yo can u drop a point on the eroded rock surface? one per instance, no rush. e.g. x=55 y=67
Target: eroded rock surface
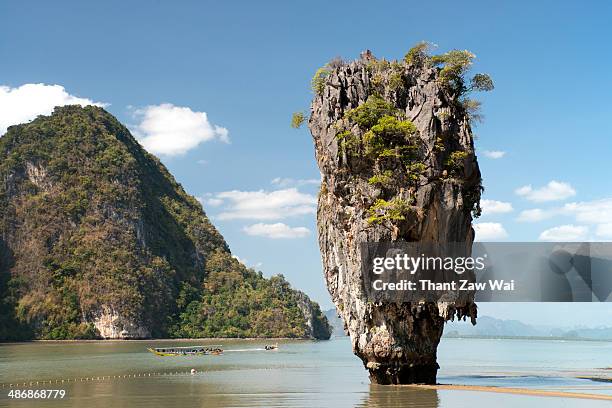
x=111 y=325
x=427 y=195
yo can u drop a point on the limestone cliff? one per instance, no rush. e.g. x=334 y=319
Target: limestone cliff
x=394 y=145
x=97 y=239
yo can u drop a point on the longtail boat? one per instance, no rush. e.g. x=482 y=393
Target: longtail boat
x=186 y=351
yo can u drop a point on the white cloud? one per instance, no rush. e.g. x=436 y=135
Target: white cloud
x=565 y=233
x=597 y=213
x=26 y=102
x=264 y=205
x=494 y=154
x=604 y=230
x=213 y=202
x=535 y=215
x=590 y=212
x=287 y=182
x=553 y=191
x=174 y=130
x=276 y=231
x=495 y=207
x=489 y=231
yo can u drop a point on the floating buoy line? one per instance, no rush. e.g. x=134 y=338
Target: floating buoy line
x=20 y=384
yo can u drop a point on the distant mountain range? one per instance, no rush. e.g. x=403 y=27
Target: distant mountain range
x=491 y=327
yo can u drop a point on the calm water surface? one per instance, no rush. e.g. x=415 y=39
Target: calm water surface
x=299 y=374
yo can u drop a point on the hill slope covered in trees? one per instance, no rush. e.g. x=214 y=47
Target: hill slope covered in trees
x=97 y=239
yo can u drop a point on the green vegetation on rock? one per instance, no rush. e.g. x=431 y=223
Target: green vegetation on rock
x=368 y=113
x=394 y=210
x=297 y=119
x=238 y=302
x=418 y=54
x=318 y=80
x=391 y=142
x=383 y=179
x=377 y=137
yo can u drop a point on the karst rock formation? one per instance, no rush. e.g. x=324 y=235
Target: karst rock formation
x=394 y=145
x=98 y=240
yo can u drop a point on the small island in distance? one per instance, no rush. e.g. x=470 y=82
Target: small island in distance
x=98 y=240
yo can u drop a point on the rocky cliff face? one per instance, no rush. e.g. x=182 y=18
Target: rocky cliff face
x=97 y=239
x=395 y=149
x=317 y=324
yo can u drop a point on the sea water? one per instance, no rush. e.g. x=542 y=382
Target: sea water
x=298 y=374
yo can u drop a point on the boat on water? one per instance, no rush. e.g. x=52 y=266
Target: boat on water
x=271 y=346
x=186 y=351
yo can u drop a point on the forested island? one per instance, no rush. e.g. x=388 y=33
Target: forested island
x=98 y=240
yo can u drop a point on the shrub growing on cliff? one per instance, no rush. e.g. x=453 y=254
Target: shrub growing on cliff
x=348 y=141
x=368 y=113
x=383 y=179
x=317 y=83
x=388 y=132
x=297 y=119
x=396 y=81
x=415 y=170
x=418 y=55
x=382 y=210
x=454 y=65
x=454 y=161
x=481 y=82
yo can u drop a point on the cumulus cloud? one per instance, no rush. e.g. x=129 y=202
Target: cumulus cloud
x=276 y=231
x=289 y=182
x=489 y=231
x=597 y=213
x=264 y=205
x=174 y=130
x=26 y=102
x=213 y=202
x=495 y=207
x=565 y=233
x=590 y=212
x=585 y=212
x=535 y=215
x=494 y=154
x=553 y=191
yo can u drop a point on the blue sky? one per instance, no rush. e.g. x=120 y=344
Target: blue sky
x=248 y=66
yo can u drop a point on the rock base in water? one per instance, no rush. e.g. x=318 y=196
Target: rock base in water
x=393 y=374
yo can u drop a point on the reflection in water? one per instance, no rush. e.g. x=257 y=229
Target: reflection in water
x=390 y=397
